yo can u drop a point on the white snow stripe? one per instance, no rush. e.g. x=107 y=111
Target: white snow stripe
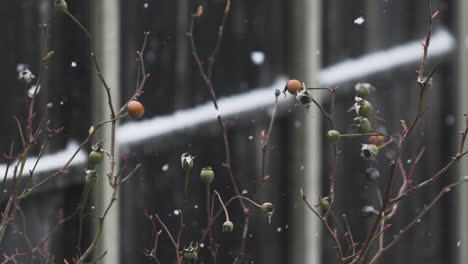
x=130 y=133
x=442 y=42
x=49 y=162
x=134 y=132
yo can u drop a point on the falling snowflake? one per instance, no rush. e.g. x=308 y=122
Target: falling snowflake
x=257 y=57
x=359 y=20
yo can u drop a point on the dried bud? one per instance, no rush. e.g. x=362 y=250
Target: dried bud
x=186 y=161
x=372 y=174
x=61 y=6
x=333 y=136
x=424 y=82
x=207 y=175
x=91 y=176
x=368 y=210
x=369 y=151
x=293 y=86
x=277 y=92
x=363 y=90
x=304 y=98
x=268 y=209
x=228 y=226
x=26 y=76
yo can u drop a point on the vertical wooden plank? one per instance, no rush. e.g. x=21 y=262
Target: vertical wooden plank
x=106 y=33
x=305 y=163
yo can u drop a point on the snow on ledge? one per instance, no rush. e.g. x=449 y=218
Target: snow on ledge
x=134 y=132
x=442 y=42
x=49 y=162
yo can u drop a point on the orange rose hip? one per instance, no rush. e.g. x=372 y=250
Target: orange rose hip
x=135 y=109
x=293 y=86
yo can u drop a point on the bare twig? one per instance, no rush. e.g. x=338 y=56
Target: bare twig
x=57 y=226
x=212 y=93
x=416 y=219
x=350 y=235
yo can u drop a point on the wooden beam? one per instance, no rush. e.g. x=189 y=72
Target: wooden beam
x=306 y=238
x=106 y=33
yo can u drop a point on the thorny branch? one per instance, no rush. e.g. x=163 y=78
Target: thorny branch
x=389 y=205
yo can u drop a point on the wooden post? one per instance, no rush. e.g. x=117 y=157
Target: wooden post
x=306 y=245
x=106 y=33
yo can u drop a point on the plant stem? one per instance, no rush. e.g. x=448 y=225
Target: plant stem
x=187 y=177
